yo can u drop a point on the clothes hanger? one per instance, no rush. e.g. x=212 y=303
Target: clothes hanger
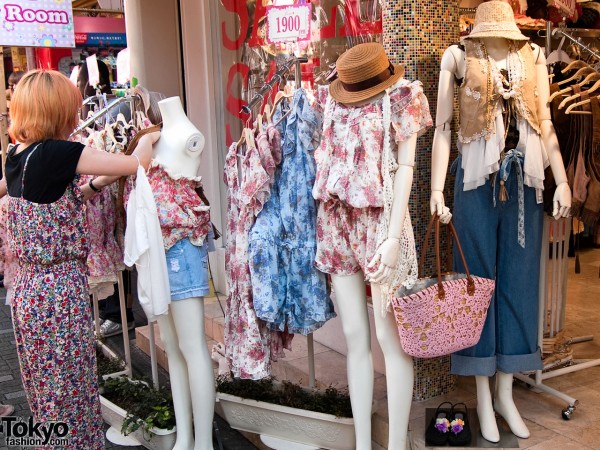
x=594 y=88
x=593 y=76
x=577 y=64
x=558 y=55
x=581 y=72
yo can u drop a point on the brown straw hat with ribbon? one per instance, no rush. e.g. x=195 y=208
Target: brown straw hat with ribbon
x=495 y=19
x=363 y=71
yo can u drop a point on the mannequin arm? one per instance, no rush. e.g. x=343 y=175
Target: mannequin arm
x=386 y=256
x=440 y=154
x=562 y=195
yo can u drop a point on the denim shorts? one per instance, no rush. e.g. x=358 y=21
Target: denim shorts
x=188 y=270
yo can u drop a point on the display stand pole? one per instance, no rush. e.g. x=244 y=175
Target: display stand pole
x=153 y=362
x=123 y=307
x=552 y=305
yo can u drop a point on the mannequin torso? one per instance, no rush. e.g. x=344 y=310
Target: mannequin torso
x=179 y=134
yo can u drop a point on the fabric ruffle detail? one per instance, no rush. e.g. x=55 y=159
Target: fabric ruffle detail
x=175 y=176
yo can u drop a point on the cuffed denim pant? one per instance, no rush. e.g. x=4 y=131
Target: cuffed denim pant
x=489 y=238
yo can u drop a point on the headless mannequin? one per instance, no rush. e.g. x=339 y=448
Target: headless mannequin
x=453 y=65
x=352 y=308
x=182 y=330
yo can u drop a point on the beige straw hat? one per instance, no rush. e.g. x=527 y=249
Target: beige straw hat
x=363 y=71
x=495 y=19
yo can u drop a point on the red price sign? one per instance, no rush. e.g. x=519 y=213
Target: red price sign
x=288 y=23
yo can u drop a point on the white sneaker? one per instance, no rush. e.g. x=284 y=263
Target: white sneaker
x=110 y=328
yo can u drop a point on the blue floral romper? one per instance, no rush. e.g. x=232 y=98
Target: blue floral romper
x=289 y=292
x=51 y=314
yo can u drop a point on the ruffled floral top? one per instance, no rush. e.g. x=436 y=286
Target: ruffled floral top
x=349 y=159
x=181 y=211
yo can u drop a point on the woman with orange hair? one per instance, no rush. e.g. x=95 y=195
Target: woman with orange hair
x=47 y=234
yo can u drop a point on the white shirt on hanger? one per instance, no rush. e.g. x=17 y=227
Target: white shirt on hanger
x=144 y=248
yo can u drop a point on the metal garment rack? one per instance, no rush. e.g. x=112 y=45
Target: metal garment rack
x=277 y=78
x=257 y=99
x=128 y=367
x=552 y=308
x=577 y=41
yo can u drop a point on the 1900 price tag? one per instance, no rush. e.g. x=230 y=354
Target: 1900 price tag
x=288 y=23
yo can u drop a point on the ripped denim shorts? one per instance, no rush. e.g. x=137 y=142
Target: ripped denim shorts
x=188 y=270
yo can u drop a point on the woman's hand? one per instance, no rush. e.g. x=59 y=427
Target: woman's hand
x=562 y=201
x=437 y=206
x=144 y=148
x=386 y=257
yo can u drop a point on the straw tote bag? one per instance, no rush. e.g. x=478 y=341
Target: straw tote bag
x=442 y=315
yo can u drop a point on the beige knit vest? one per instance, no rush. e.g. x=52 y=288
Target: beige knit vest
x=474 y=99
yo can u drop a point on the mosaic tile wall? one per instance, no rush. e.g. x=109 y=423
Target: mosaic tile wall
x=416 y=33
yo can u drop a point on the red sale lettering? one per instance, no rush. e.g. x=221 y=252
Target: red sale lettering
x=14 y=13
x=237 y=7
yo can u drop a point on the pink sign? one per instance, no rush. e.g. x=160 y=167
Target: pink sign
x=36 y=23
x=288 y=23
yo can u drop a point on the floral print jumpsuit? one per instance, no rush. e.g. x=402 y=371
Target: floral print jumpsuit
x=51 y=314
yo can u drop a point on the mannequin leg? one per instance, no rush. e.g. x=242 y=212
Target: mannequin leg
x=180 y=386
x=351 y=299
x=485 y=410
x=505 y=405
x=188 y=317
x=398 y=366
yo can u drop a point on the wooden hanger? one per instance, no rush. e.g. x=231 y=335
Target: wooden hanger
x=246 y=137
x=594 y=76
x=594 y=88
x=581 y=72
x=577 y=64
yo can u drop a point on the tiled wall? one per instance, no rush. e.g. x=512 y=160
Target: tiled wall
x=416 y=33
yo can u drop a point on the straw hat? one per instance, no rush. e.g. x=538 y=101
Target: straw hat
x=363 y=71
x=495 y=19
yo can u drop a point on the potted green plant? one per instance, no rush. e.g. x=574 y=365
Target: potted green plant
x=289 y=412
x=135 y=408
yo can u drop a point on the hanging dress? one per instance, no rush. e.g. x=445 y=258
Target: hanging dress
x=290 y=293
x=51 y=313
x=247 y=339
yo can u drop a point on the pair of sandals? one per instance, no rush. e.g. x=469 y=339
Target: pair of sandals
x=449 y=425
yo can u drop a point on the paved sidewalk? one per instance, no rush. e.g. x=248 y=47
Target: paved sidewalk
x=11 y=388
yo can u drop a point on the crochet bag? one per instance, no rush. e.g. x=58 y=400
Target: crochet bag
x=442 y=315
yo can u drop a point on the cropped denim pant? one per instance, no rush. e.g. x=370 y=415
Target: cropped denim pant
x=489 y=237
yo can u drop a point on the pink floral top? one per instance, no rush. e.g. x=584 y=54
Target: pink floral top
x=350 y=155
x=181 y=212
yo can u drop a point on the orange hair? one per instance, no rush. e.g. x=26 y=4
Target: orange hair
x=44 y=106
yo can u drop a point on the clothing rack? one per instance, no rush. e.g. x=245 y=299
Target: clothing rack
x=90 y=120
x=276 y=79
x=258 y=98
x=577 y=41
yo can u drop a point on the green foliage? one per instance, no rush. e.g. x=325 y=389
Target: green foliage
x=107 y=365
x=146 y=407
x=331 y=401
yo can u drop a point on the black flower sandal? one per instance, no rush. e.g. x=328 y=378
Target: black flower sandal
x=460 y=430
x=436 y=434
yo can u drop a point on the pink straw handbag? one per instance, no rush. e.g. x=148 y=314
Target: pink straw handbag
x=442 y=315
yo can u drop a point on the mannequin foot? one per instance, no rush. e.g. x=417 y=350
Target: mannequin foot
x=487 y=423
x=509 y=412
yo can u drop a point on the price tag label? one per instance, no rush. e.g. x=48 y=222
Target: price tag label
x=288 y=23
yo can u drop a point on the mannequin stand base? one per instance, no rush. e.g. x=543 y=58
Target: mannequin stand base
x=281 y=444
x=113 y=435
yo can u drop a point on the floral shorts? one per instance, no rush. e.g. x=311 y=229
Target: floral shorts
x=346 y=237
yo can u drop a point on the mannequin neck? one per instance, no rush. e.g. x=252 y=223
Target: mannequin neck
x=180 y=145
x=497 y=48
x=171 y=111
